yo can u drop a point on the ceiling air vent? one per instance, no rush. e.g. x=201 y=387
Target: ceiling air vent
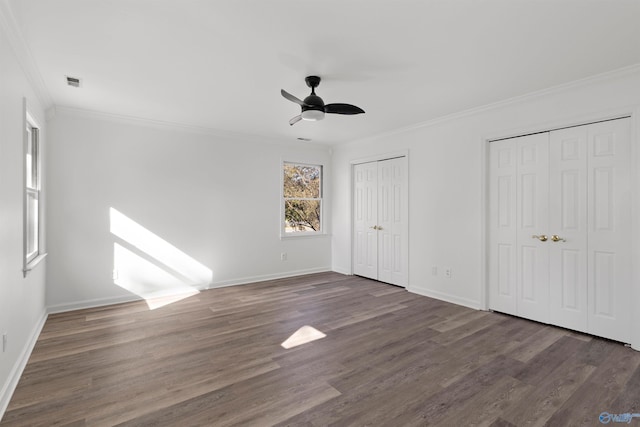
x=73 y=81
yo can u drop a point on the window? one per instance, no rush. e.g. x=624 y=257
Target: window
x=302 y=194
x=32 y=193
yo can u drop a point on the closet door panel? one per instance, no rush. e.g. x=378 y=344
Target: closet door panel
x=392 y=214
x=502 y=227
x=532 y=211
x=609 y=242
x=568 y=221
x=365 y=207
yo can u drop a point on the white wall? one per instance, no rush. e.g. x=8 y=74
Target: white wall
x=22 y=300
x=446 y=180
x=216 y=200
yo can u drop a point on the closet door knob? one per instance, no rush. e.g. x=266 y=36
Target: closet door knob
x=557 y=238
x=542 y=237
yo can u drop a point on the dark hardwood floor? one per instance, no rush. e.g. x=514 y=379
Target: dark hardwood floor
x=389 y=358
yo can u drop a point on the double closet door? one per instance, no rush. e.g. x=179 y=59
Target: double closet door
x=559 y=232
x=381 y=221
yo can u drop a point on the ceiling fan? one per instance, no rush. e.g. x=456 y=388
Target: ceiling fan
x=314 y=108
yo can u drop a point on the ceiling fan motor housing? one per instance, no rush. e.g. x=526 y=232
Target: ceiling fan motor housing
x=314 y=102
x=313 y=108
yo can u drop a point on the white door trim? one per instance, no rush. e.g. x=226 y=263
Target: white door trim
x=634 y=173
x=378 y=157
x=633 y=112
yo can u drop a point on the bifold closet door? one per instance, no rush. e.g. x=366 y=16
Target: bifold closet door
x=559 y=228
x=502 y=226
x=609 y=230
x=590 y=215
x=519 y=255
x=569 y=222
x=392 y=226
x=365 y=220
x=380 y=221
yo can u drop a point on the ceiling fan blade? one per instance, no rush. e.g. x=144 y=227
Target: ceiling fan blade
x=342 y=109
x=291 y=97
x=295 y=120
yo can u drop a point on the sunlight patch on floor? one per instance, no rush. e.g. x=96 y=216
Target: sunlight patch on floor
x=154 y=302
x=303 y=335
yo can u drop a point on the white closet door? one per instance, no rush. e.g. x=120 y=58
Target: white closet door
x=365 y=219
x=572 y=186
x=609 y=237
x=502 y=227
x=381 y=221
x=532 y=198
x=392 y=230
x=519 y=252
x=568 y=221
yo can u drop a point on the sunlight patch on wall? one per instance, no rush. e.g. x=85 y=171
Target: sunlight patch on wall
x=152 y=268
x=303 y=335
x=147 y=280
x=158 y=248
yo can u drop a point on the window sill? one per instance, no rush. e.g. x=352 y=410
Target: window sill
x=33 y=263
x=305 y=236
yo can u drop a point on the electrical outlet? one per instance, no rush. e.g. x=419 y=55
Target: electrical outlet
x=434 y=270
x=447 y=273
x=4 y=342
x=283 y=256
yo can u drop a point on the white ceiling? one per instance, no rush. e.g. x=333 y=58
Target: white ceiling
x=221 y=64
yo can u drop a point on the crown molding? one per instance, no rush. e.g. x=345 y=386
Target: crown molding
x=60 y=110
x=23 y=54
x=620 y=72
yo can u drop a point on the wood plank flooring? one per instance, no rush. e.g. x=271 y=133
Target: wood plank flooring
x=389 y=358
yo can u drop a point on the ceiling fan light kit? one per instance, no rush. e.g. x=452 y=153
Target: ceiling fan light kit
x=312 y=115
x=313 y=107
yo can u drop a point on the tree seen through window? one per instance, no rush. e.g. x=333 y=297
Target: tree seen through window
x=302 y=198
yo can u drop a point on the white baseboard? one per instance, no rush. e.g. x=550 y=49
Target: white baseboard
x=14 y=376
x=445 y=297
x=264 y=277
x=345 y=271
x=100 y=302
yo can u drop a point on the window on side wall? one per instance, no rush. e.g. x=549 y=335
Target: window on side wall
x=302 y=199
x=32 y=196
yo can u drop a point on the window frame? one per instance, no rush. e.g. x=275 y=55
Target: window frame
x=283 y=200
x=32 y=139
